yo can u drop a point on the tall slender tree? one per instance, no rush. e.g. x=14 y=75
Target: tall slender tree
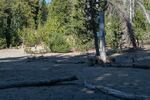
x=102 y=34
x=43 y=12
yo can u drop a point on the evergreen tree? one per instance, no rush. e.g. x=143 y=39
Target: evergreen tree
x=59 y=16
x=16 y=15
x=2 y=24
x=43 y=12
x=35 y=7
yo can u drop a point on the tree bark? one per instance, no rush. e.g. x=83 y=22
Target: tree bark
x=102 y=36
x=94 y=28
x=131 y=33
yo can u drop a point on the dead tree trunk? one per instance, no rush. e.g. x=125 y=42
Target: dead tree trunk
x=102 y=36
x=131 y=33
x=124 y=16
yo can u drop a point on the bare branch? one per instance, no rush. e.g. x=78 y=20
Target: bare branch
x=145 y=12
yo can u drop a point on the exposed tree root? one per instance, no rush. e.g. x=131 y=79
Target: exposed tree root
x=37 y=83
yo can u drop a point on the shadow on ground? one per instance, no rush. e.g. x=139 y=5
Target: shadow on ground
x=135 y=81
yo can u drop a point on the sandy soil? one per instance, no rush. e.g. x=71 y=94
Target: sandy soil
x=15 y=66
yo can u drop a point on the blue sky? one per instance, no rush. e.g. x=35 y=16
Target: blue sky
x=48 y=0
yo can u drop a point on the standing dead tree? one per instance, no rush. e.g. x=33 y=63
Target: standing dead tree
x=125 y=18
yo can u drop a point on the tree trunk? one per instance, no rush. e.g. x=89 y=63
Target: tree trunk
x=8 y=28
x=102 y=36
x=93 y=13
x=96 y=43
x=131 y=33
x=130 y=2
x=132 y=10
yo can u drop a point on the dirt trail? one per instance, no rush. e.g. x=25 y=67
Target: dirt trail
x=8 y=53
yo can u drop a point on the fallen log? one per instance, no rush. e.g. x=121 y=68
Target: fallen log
x=37 y=83
x=116 y=93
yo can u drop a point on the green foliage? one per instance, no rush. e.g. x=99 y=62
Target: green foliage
x=15 y=15
x=43 y=12
x=139 y=25
x=146 y=4
x=59 y=16
x=2 y=43
x=21 y=18
x=57 y=43
x=30 y=37
x=62 y=25
x=68 y=18
x=80 y=25
x=53 y=42
x=113 y=31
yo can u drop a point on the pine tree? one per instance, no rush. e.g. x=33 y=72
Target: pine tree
x=43 y=12
x=35 y=7
x=16 y=15
x=59 y=16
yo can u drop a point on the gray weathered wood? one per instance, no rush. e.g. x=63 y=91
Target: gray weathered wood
x=116 y=93
x=37 y=83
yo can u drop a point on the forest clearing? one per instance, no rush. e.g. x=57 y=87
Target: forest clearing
x=17 y=66
x=74 y=49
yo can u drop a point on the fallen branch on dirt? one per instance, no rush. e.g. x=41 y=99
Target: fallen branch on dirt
x=37 y=83
x=116 y=93
x=130 y=65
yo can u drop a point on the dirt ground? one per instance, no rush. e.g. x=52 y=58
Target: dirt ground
x=16 y=66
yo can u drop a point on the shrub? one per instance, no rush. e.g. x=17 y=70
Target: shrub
x=57 y=43
x=2 y=43
x=30 y=37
